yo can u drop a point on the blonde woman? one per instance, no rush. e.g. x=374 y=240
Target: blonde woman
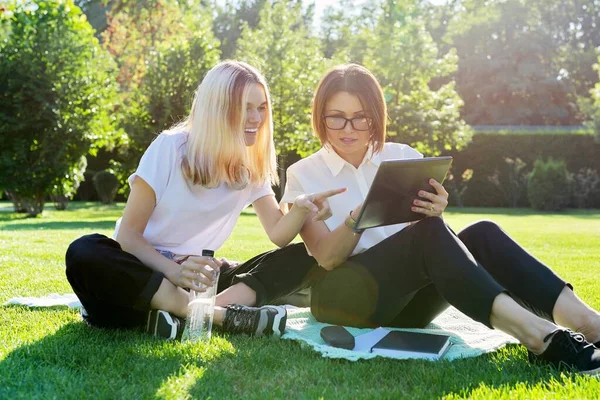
x=187 y=193
x=405 y=275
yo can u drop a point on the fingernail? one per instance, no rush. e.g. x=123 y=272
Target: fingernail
x=414 y=208
x=431 y=181
x=421 y=193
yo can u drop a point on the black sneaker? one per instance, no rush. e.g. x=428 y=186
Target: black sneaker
x=164 y=325
x=255 y=321
x=571 y=350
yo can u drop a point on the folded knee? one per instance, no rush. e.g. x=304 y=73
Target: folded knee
x=478 y=229
x=81 y=250
x=430 y=223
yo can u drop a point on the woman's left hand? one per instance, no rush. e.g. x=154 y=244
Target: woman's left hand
x=435 y=204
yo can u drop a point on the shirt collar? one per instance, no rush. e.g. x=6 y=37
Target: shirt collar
x=335 y=163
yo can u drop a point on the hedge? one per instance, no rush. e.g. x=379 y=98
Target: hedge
x=487 y=152
x=531 y=130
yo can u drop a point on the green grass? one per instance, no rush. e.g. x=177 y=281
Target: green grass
x=49 y=353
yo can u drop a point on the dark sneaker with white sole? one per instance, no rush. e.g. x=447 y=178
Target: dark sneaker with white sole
x=255 y=321
x=569 y=350
x=164 y=325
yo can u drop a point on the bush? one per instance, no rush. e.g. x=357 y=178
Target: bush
x=586 y=190
x=87 y=191
x=456 y=187
x=106 y=184
x=513 y=185
x=548 y=186
x=58 y=98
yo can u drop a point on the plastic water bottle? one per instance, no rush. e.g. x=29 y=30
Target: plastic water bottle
x=201 y=310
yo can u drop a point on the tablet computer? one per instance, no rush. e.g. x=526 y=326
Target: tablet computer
x=395 y=186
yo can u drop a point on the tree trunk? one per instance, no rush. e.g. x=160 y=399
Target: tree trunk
x=17 y=202
x=34 y=205
x=61 y=202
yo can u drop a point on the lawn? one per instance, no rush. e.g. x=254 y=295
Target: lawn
x=50 y=353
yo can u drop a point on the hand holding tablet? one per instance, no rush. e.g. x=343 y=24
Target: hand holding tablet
x=397 y=184
x=431 y=204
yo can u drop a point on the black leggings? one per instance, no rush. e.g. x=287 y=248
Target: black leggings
x=115 y=287
x=409 y=278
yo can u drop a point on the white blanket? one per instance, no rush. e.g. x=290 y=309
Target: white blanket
x=51 y=300
x=468 y=338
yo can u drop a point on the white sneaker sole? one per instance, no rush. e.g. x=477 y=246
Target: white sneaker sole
x=593 y=372
x=281 y=313
x=168 y=318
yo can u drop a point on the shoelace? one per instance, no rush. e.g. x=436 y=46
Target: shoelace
x=574 y=344
x=241 y=319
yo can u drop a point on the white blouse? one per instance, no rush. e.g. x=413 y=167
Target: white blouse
x=188 y=218
x=326 y=170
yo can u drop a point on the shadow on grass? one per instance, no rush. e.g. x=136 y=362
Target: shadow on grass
x=81 y=362
x=296 y=372
x=7 y=207
x=63 y=225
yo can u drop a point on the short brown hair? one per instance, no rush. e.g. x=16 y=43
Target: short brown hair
x=360 y=82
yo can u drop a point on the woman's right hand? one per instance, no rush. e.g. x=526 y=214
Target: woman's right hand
x=197 y=273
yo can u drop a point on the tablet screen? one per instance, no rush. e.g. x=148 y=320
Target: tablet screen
x=395 y=186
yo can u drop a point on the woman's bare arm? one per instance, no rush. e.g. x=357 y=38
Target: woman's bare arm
x=330 y=248
x=139 y=208
x=281 y=227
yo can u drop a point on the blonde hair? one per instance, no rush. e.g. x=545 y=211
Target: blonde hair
x=360 y=82
x=216 y=151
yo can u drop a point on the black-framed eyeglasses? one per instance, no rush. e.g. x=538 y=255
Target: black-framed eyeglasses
x=338 y=123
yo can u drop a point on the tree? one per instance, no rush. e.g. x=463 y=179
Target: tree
x=164 y=48
x=343 y=30
x=282 y=48
x=166 y=94
x=95 y=11
x=591 y=107
x=229 y=19
x=135 y=29
x=524 y=62
x=57 y=94
x=573 y=28
x=394 y=44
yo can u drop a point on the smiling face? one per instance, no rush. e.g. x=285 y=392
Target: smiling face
x=349 y=143
x=256 y=110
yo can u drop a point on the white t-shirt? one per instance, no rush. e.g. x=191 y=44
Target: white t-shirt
x=188 y=218
x=326 y=170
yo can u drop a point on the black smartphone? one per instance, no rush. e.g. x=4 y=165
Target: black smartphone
x=337 y=336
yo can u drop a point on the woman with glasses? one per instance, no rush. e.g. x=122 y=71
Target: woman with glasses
x=187 y=193
x=404 y=275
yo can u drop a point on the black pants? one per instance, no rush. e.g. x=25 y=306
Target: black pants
x=115 y=287
x=410 y=277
